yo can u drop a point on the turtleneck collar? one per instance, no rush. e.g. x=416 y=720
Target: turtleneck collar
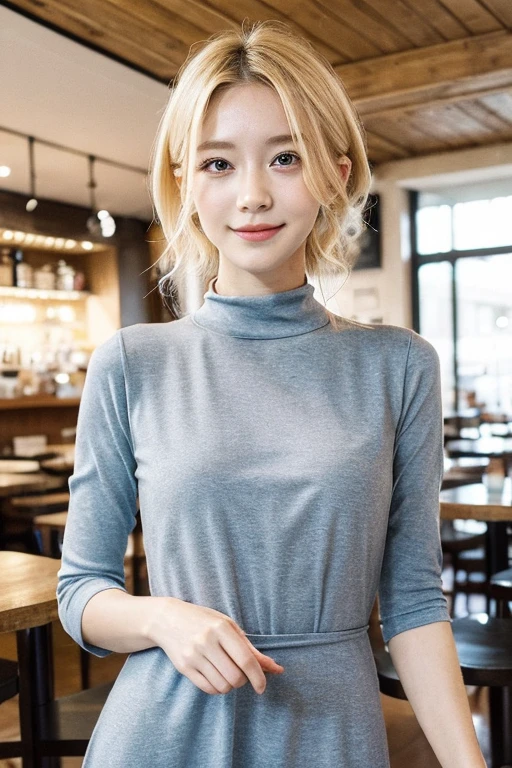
x=271 y=316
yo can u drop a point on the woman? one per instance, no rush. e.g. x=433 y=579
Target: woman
x=287 y=462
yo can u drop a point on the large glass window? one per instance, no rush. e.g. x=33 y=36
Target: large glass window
x=484 y=323
x=463 y=268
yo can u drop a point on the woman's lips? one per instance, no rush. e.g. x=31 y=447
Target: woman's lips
x=261 y=234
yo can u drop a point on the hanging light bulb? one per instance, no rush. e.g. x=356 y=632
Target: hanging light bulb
x=99 y=222
x=32 y=203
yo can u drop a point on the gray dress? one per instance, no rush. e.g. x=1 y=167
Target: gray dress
x=287 y=470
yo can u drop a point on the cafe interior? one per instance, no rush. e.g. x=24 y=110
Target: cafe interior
x=84 y=84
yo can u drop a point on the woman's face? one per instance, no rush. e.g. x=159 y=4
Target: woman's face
x=251 y=174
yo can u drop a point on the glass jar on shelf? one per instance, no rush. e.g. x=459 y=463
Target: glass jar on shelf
x=44 y=278
x=65 y=276
x=9 y=384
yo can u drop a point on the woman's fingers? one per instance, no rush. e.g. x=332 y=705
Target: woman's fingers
x=201 y=681
x=267 y=662
x=241 y=651
x=211 y=649
x=221 y=670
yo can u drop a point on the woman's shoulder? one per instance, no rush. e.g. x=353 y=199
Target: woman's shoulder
x=376 y=333
x=140 y=341
x=145 y=336
x=384 y=338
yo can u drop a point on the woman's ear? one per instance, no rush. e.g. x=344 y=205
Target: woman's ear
x=345 y=166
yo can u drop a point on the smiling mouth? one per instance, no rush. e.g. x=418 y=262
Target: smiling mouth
x=258 y=234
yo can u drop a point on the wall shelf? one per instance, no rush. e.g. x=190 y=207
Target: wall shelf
x=10 y=292
x=37 y=401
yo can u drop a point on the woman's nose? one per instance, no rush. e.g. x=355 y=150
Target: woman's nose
x=253 y=192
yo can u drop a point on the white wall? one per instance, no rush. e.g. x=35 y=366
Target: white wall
x=391 y=181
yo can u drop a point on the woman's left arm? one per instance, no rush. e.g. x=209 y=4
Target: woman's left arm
x=416 y=624
x=426 y=661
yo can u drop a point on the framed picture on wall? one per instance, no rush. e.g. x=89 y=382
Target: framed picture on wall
x=370 y=255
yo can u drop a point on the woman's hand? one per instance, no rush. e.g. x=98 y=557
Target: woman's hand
x=208 y=647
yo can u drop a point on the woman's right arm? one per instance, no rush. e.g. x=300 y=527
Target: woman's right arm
x=103 y=493
x=204 y=644
x=123 y=623
x=94 y=605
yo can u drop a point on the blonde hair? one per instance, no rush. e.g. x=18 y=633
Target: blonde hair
x=324 y=125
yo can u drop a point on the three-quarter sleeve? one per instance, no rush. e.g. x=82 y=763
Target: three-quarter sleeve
x=103 y=492
x=410 y=589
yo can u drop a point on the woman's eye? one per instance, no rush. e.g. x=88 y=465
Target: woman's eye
x=289 y=157
x=215 y=162
x=218 y=165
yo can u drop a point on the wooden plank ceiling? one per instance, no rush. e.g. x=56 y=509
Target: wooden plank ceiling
x=425 y=75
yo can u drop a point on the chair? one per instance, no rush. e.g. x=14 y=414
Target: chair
x=21 y=510
x=463 y=426
x=464 y=471
x=457 y=544
x=68 y=721
x=484 y=647
x=501 y=591
x=9 y=687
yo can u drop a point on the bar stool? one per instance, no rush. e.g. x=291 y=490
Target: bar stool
x=484 y=648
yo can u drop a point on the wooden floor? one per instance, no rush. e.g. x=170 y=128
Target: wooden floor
x=407 y=745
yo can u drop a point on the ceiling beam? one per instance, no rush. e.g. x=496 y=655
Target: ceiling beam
x=453 y=70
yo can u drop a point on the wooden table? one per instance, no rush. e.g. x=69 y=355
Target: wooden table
x=17 y=483
x=62 y=466
x=477 y=502
x=492 y=447
x=28 y=605
x=60 y=447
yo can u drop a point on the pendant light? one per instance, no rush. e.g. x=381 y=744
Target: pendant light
x=32 y=202
x=99 y=222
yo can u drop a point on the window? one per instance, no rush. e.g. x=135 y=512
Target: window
x=462 y=256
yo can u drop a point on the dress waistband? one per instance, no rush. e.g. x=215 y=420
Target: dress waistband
x=305 y=638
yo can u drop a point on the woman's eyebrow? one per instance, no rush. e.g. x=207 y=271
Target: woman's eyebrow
x=218 y=144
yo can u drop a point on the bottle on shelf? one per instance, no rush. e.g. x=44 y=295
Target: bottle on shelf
x=6 y=270
x=80 y=281
x=23 y=272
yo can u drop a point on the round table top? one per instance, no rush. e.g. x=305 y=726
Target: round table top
x=28 y=595
x=64 y=463
x=477 y=501
x=484 y=649
x=12 y=484
x=463 y=413
x=60 y=465
x=56 y=520
x=484 y=446
x=60 y=447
